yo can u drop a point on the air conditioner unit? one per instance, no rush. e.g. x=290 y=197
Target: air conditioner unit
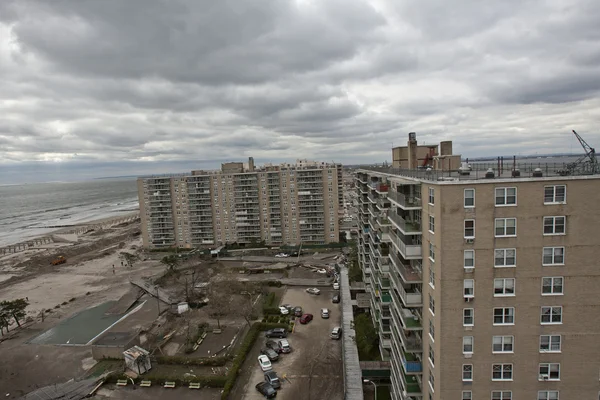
x=468 y=328
x=469 y=269
x=468 y=299
x=544 y=377
x=468 y=355
x=470 y=241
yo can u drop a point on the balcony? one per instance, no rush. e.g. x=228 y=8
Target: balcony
x=411 y=384
x=406 y=272
x=411 y=251
x=411 y=341
x=404 y=201
x=372 y=198
x=406 y=227
x=409 y=320
x=411 y=364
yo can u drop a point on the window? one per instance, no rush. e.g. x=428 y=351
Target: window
x=431 y=304
x=469 y=198
x=502 y=372
x=469 y=228
x=552 y=285
x=551 y=315
x=506 y=227
x=554 y=225
x=431 y=356
x=506 y=196
x=467 y=373
x=468 y=344
x=504 y=287
x=469 y=258
x=549 y=372
x=555 y=194
x=548 y=395
x=431 y=330
x=467 y=395
x=431 y=252
x=505 y=257
x=469 y=288
x=550 y=344
x=502 y=344
x=553 y=256
x=431 y=196
x=504 y=395
x=431 y=224
x=431 y=276
x=504 y=316
x=468 y=317
x=431 y=381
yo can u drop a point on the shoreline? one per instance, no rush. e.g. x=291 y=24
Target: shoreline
x=39 y=242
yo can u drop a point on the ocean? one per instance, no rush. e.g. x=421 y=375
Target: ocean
x=26 y=209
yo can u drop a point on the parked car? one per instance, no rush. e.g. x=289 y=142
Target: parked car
x=265 y=363
x=335 y=298
x=298 y=311
x=313 y=290
x=273 y=345
x=272 y=354
x=306 y=318
x=284 y=346
x=282 y=255
x=324 y=313
x=283 y=310
x=266 y=390
x=272 y=379
x=336 y=333
x=276 y=333
x=322 y=271
x=336 y=286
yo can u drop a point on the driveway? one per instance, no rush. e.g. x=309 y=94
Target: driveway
x=314 y=367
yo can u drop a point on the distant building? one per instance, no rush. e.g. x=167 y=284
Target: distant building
x=278 y=204
x=413 y=156
x=485 y=285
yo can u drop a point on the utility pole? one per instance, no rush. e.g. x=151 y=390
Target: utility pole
x=157 y=300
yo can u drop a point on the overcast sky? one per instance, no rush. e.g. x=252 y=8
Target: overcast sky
x=113 y=87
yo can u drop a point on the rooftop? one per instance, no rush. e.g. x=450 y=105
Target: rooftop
x=479 y=171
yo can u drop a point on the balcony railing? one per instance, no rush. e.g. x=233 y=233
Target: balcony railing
x=409 y=320
x=408 y=251
x=404 y=201
x=407 y=227
x=411 y=341
x=410 y=364
x=410 y=297
x=406 y=272
x=411 y=384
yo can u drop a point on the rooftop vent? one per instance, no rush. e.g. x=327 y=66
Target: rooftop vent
x=489 y=174
x=537 y=173
x=515 y=173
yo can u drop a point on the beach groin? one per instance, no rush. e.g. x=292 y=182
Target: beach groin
x=61 y=231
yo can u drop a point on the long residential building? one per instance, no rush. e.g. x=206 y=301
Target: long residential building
x=286 y=204
x=483 y=286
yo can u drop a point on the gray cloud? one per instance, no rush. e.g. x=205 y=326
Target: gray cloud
x=148 y=82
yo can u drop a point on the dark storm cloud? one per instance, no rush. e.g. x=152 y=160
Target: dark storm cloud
x=140 y=83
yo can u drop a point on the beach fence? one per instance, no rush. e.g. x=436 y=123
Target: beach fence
x=37 y=243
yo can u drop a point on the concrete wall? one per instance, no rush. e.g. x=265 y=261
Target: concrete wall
x=113 y=351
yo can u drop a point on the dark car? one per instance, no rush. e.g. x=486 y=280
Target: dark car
x=272 y=354
x=306 y=318
x=266 y=390
x=298 y=311
x=273 y=345
x=335 y=299
x=272 y=379
x=276 y=333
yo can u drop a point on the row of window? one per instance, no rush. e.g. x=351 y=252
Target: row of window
x=507 y=196
x=504 y=372
x=508 y=257
x=551 y=286
x=507 y=395
x=507 y=227
x=549 y=315
x=505 y=343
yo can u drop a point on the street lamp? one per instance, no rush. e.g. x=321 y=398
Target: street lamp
x=368 y=381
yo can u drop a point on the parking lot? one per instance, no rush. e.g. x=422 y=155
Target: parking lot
x=314 y=367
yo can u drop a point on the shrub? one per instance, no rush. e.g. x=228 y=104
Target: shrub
x=64 y=303
x=72 y=299
x=274 y=283
x=206 y=361
x=271 y=311
x=205 y=381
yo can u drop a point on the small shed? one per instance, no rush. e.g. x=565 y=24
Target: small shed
x=137 y=360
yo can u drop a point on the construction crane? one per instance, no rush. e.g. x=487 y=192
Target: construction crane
x=586 y=164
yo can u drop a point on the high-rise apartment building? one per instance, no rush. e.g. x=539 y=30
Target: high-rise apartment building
x=484 y=286
x=278 y=204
